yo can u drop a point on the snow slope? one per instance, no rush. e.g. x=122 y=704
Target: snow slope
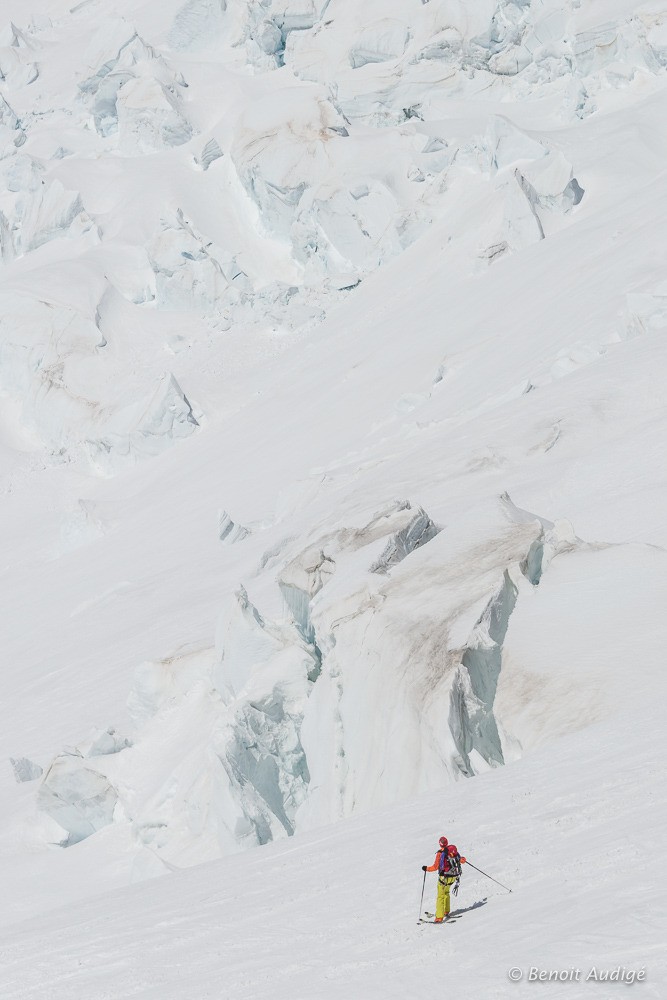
x=332 y=437
x=333 y=913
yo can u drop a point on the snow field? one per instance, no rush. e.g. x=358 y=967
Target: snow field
x=333 y=913
x=332 y=436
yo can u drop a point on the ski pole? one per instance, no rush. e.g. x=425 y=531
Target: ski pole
x=421 y=901
x=488 y=876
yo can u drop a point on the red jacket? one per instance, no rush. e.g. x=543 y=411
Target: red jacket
x=435 y=867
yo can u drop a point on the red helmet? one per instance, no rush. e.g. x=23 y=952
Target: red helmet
x=451 y=850
x=443 y=842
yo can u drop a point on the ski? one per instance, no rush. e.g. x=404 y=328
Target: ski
x=429 y=918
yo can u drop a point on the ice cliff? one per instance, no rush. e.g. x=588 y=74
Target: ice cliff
x=379 y=681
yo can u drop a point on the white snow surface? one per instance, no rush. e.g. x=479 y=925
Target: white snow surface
x=332 y=462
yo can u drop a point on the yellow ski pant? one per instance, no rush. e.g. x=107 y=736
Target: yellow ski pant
x=442 y=904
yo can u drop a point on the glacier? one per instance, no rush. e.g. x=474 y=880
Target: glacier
x=332 y=439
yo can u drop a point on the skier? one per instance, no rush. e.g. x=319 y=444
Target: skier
x=447 y=863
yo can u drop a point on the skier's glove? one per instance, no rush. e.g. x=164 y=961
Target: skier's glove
x=424 y=868
x=455 y=890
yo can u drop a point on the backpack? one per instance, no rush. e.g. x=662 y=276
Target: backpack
x=450 y=864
